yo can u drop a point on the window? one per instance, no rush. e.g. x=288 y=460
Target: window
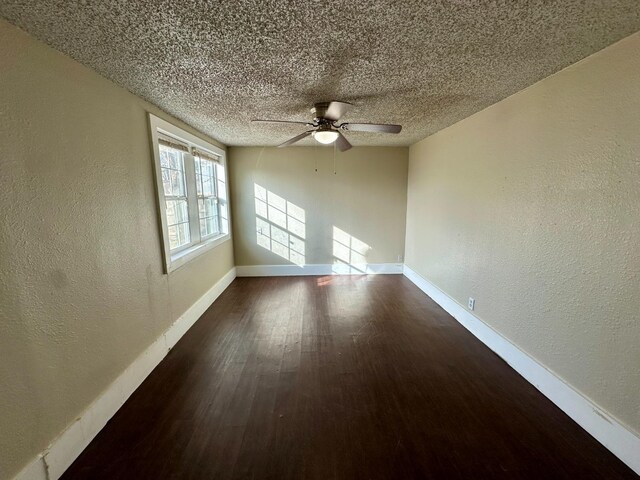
x=175 y=196
x=192 y=193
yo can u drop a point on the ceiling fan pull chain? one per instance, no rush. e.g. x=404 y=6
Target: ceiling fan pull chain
x=259 y=158
x=334 y=157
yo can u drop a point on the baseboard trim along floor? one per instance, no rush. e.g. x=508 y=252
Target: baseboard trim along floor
x=617 y=438
x=319 y=269
x=55 y=459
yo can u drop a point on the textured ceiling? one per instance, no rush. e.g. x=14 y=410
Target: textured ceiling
x=422 y=64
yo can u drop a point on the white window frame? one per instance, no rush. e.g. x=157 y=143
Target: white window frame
x=174 y=259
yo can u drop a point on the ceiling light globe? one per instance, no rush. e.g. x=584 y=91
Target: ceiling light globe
x=325 y=136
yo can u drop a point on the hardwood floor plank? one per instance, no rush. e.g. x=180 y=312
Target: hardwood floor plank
x=338 y=378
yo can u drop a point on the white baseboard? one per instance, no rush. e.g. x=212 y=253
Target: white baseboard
x=321 y=269
x=611 y=433
x=34 y=470
x=51 y=464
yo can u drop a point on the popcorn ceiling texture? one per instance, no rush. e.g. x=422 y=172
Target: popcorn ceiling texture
x=425 y=65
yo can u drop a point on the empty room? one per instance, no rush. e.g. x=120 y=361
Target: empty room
x=319 y=240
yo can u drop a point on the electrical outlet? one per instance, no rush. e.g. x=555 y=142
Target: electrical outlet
x=472 y=303
x=399 y=258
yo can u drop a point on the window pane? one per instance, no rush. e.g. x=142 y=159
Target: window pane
x=172 y=163
x=206 y=166
x=208 y=216
x=170 y=158
x=177 y=183
x=170 y=208
x=183 y=233
x=183 y=211
x=207 y=207
x=207 y=186
x=173 y=237
x=204 y=177
x=198 y=167
x=209 y=226
x=222 y=189
x=178 y=235
x=166 y=182
x=173 y=183
x=177 y=212
x=223 y=222
x=223 y=225
x=165 y=157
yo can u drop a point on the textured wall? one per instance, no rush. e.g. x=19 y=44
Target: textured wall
x=366 y=199
x=81 y=284
x=532 y=206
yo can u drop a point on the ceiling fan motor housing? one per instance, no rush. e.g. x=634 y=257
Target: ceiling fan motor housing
x=319 y=111
x=325 y=128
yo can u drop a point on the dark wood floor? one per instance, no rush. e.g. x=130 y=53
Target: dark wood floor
x=337 y=378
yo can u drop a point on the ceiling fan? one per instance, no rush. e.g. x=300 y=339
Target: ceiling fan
x=326 y=129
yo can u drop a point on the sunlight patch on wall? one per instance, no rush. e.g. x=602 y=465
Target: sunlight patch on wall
x=280 y=225
x=349 y=253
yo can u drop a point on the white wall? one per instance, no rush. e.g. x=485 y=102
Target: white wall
x=81 y=282
x=532 y=206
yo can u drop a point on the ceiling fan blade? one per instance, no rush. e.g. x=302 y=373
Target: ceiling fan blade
x=342 y=143
x=283 y=121
x=335 y=110
x=295 y=139
x=371 y=127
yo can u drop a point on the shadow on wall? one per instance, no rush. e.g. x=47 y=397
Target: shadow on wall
x=281 y=229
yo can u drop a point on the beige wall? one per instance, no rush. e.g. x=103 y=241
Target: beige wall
x=365 y=198
x=532 y=206
x=81 y=283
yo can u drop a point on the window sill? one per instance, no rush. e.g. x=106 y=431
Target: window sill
x=179 y=259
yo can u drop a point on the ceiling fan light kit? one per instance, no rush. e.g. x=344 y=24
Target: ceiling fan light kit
x=325 y=136
x=326 y=129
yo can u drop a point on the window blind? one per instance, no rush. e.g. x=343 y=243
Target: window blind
x=171 y=143
x=206 y=155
